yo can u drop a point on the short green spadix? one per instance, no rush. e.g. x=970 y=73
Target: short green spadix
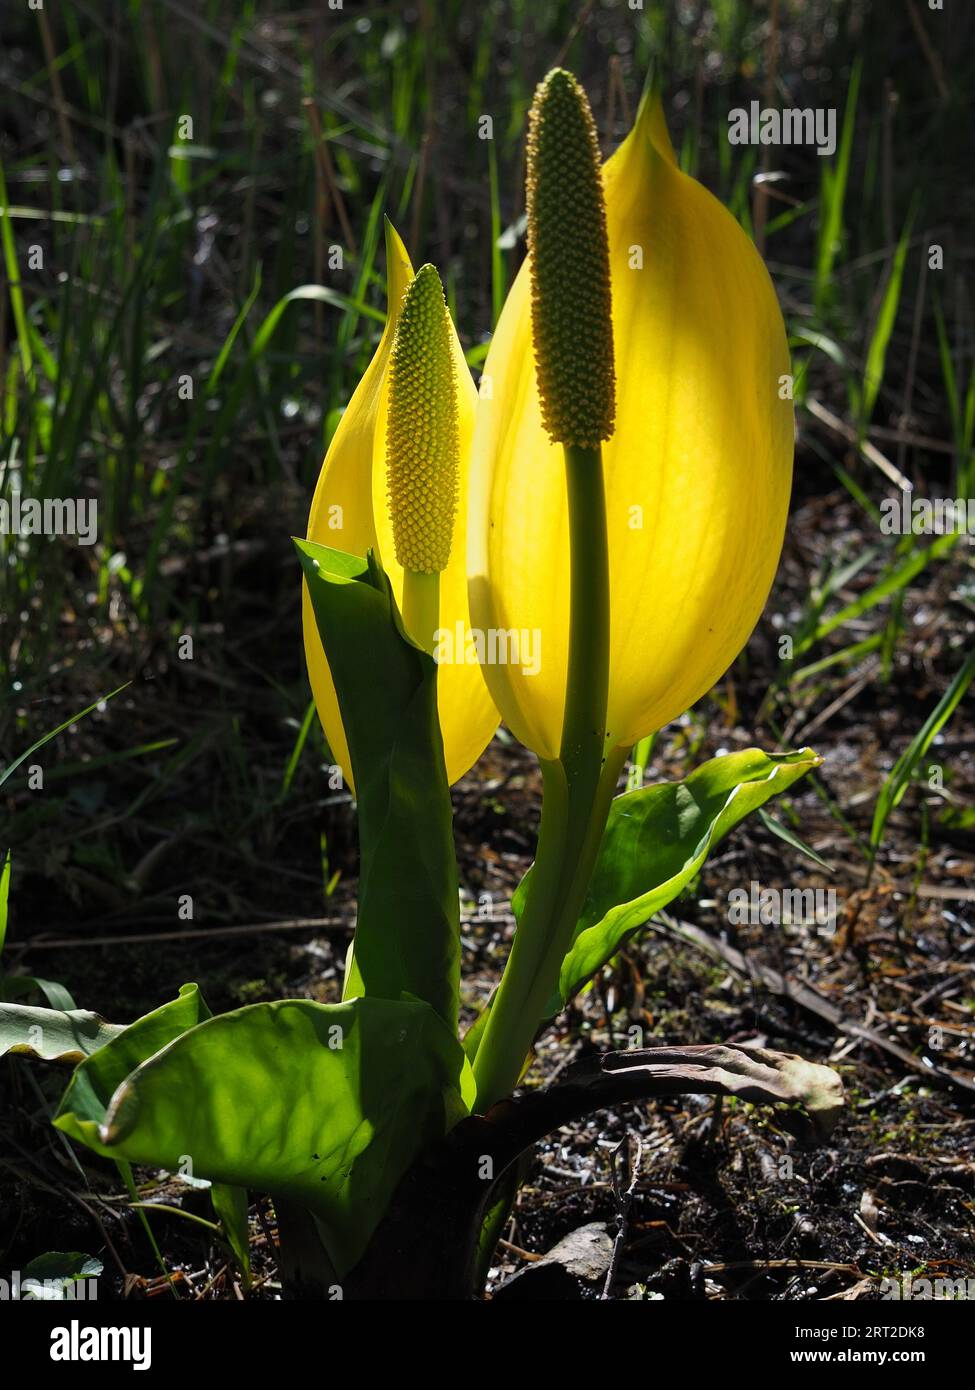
x=422 y=449
x=351 y=512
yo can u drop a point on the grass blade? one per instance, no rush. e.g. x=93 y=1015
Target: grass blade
x=898 y=779
x=46 y=738
x=873 y=374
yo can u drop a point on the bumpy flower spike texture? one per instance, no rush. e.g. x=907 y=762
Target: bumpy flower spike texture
x=571 y=299
x=422 y=435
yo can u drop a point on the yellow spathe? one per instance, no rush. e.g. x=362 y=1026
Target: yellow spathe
x=350 y=512
x=697 y=473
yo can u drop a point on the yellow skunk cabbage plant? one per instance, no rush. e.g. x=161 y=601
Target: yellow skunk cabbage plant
x=618 y=489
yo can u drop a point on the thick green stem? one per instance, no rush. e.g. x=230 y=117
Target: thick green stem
x=569 y=837
x=421 y=606
x=587 y=676
x=577 y=790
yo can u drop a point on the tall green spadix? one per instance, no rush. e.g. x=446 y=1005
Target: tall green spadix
x=571 y=300
x=422 y=450
x=572 y=332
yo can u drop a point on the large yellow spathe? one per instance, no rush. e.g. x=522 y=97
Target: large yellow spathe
x=697 y=473
x=350 y=512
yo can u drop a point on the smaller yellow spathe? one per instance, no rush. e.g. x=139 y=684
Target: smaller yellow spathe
x=697 y=473
x=350 y=512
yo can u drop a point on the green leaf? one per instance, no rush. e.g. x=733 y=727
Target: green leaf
x=53 y=1035
x=407 y=938
x=655 y=843
x=474 y=1034
x=46 y=738
x=873 y=373
x=16 y=986
x=833 y=185
x=899 y=777
x=4 y=895
x=230 y=1205
x=54 y=1271
x=325 y=1104
x=13 y=278
x=90 y=1090
x=783 y=832
x=898 y=577
x=91 y=1087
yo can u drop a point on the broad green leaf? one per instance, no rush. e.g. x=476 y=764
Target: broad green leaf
x=325 y=1104
x=52 y=1274
x=53 y=1035
x=656 y=842
x=407 y=938
x=91 y=1088
x=93 y=1084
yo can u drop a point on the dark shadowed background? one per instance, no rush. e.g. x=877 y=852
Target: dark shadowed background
x=171 y=173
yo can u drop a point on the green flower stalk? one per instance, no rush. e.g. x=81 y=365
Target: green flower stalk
x=422 y=450
x=573 y=345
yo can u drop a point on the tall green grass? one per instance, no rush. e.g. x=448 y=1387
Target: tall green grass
x=167 y=257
